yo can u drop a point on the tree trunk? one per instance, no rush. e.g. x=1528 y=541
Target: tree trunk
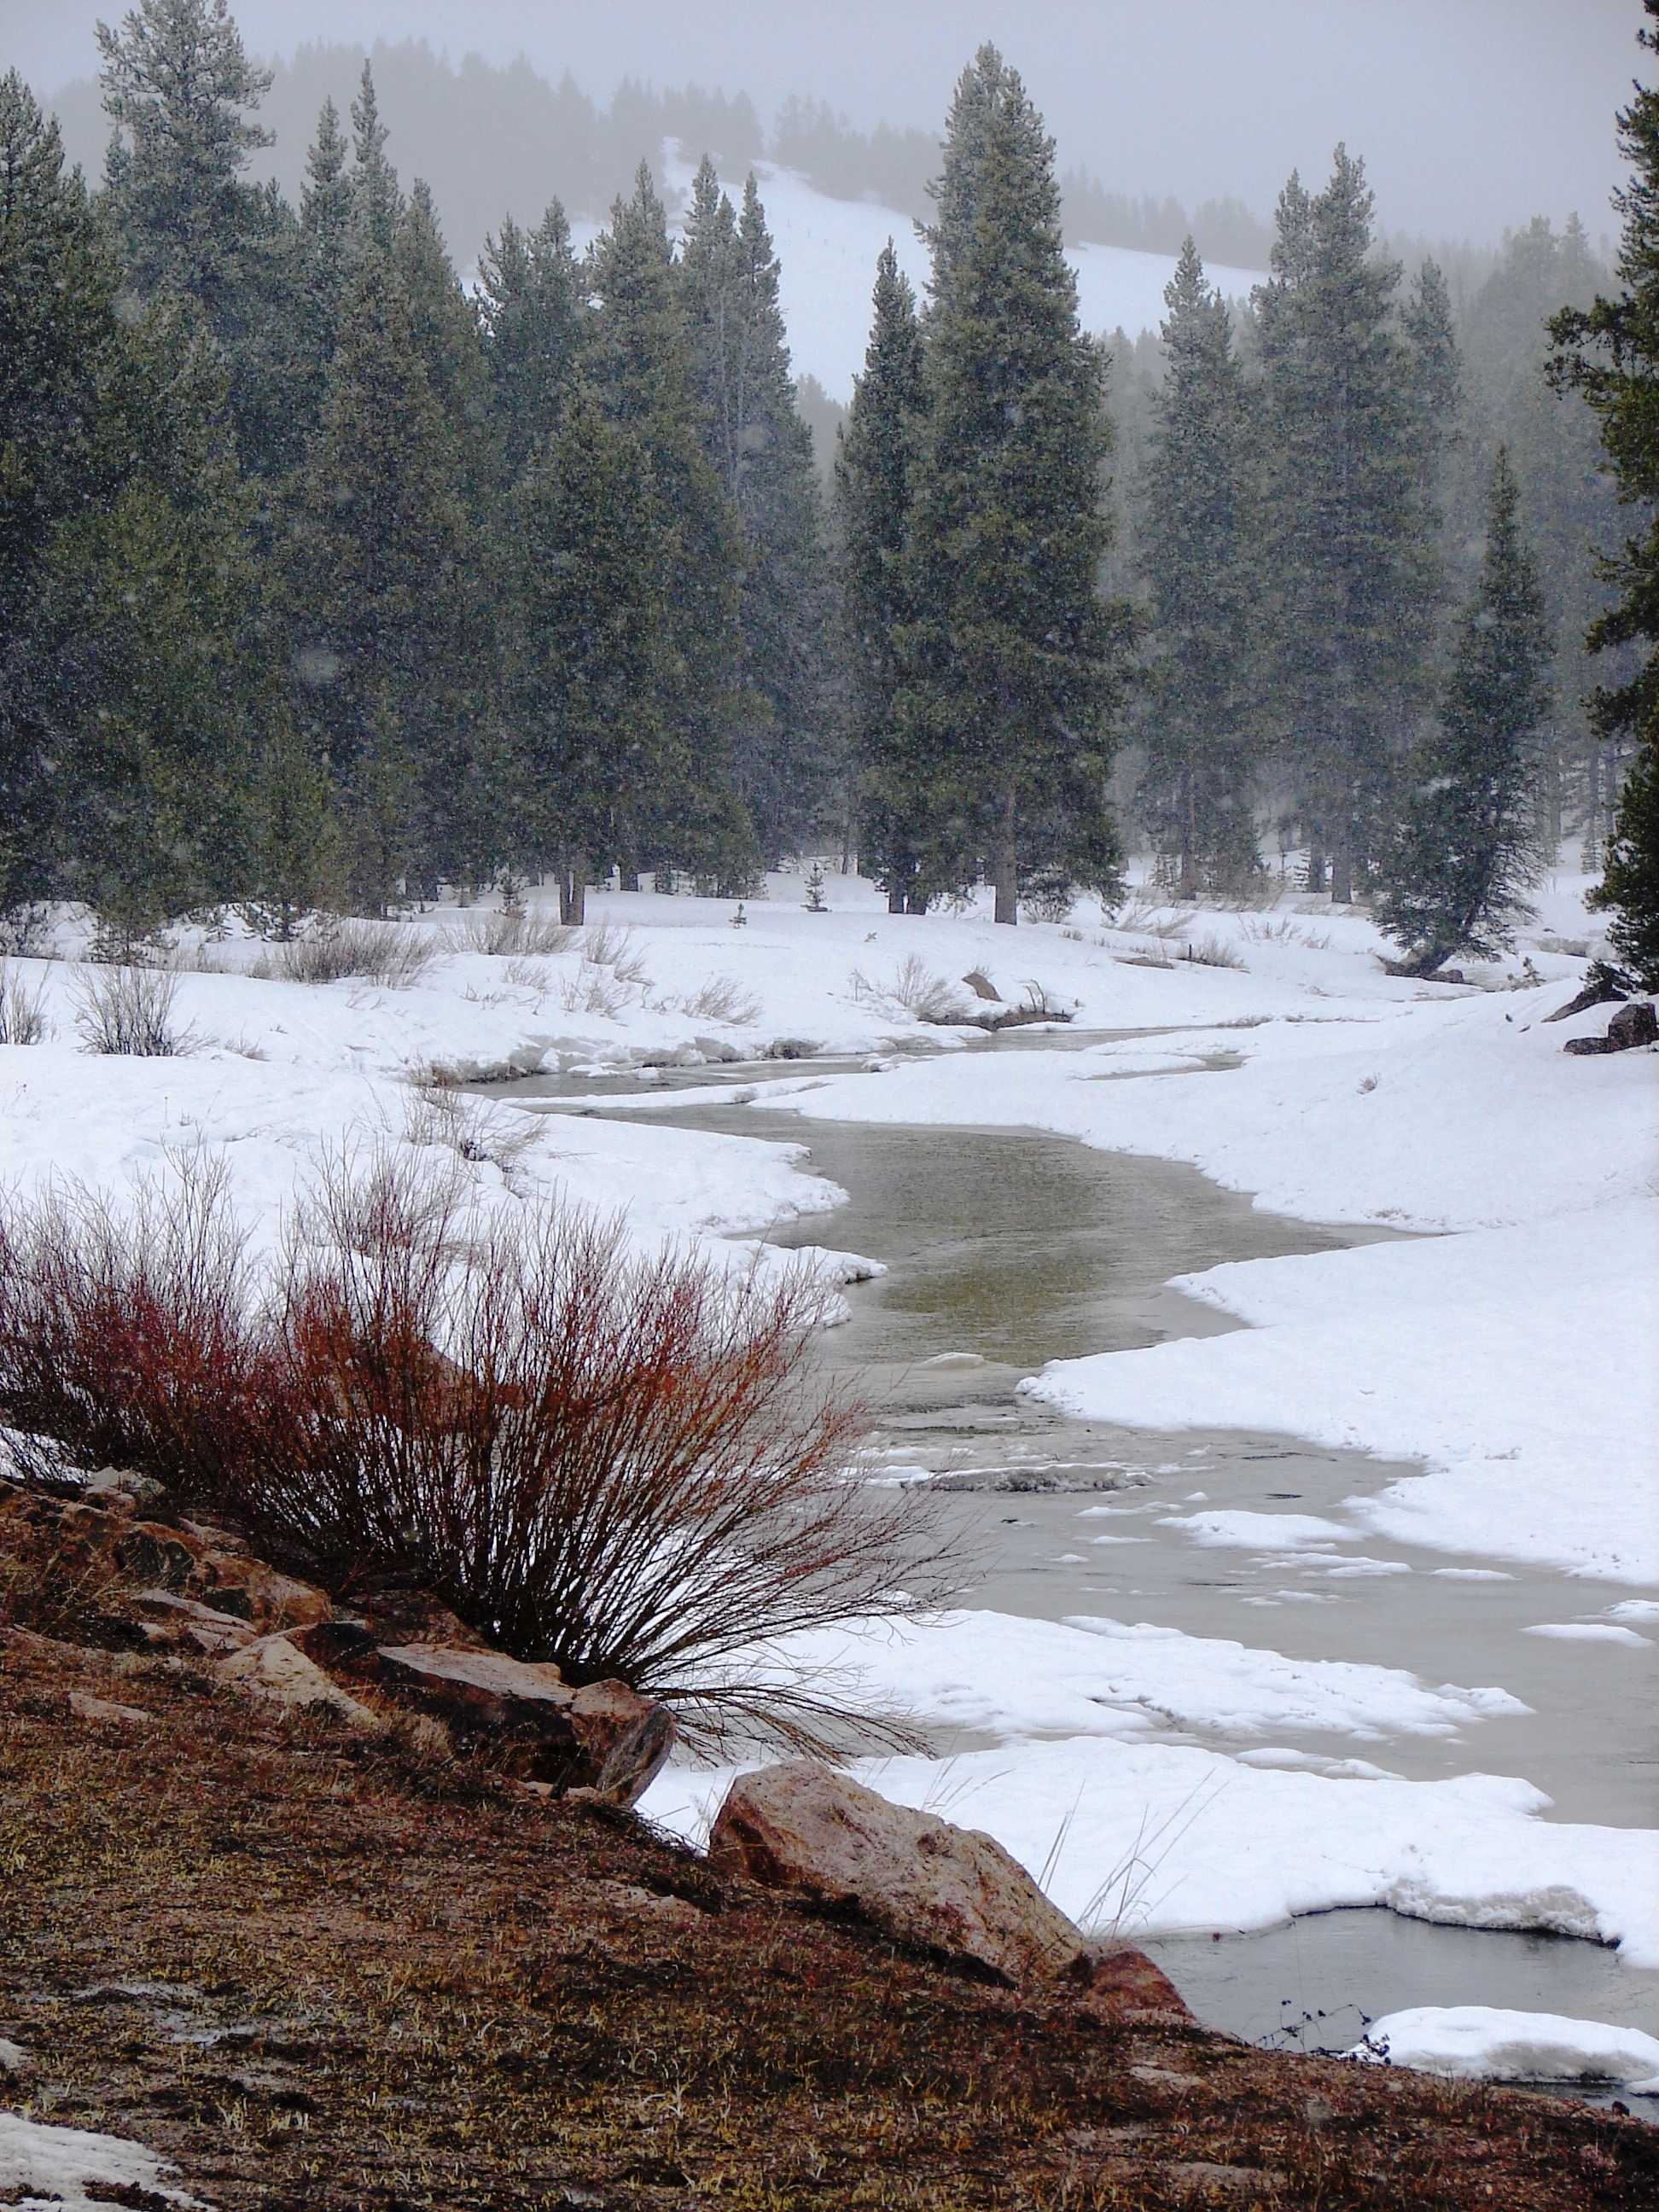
x=573 y=890
x=1315 y=869
x=1341 y=876
x=1004 y=871
x=895 y=894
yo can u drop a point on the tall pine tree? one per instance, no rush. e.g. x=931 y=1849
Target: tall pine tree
x=1452 y=876
x=875 y=487
x=1012 y=661
x=1611 y=352
x=1194 y=525
x=1348 y=571
x=762 y=451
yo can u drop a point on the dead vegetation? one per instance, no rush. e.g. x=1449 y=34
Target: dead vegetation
x=129 y=1009
x=22 y=1015
x=321 y=1971
x=340 y=948
x=620 y=1462
x=513 y=933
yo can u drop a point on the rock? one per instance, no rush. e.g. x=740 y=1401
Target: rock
x=1580 y=1047
x=799 y=1826
x=1633 y=1025
x=276 y=1669
x=12 y=2061
x=87 y=1708
x=1598 y=989
x=1118 y=1981
x=604 y=1738
x=981 y=986
x=173 y=1622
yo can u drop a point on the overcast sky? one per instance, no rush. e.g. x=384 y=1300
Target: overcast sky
x=1471 y=114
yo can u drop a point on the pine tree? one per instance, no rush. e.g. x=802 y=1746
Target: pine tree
x=374 y=586
x=640 y=365
x=875 y=492
x=1195 y=522
x=588 y=693
x=533 y=313
x=179 y=88
x=1611 y=353
x=1347 y=564
x=1453 y=876
x=1011 y=658
x=377 y=203
x=762 y=452
x=58 y=333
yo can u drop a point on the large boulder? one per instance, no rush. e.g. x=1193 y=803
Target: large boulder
x=802 y=1827
x=602 y=1737
x=1632 y=1025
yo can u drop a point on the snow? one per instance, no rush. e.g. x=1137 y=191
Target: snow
x=1481 y=2043
x=994 y=1672
x=44 y=2167
x=1138 y=1838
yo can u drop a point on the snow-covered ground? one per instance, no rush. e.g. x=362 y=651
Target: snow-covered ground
x=1507 y=1346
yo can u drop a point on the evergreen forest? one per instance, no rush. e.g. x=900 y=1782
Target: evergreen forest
x=328 y=580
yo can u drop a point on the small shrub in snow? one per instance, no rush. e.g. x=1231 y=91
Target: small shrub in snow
x=22 y=1020
x=1049 y=896
x=515 y=933
x=915 y=990
x=1212 y=952
x=438 y=1115
x=722 y=999
x=129 y=1010
x=340 y=947
x=127 y=1334
x=605 y=947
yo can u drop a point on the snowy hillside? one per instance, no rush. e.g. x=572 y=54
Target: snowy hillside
x=828 y=250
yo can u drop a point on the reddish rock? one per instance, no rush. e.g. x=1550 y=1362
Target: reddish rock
x=799 y=1826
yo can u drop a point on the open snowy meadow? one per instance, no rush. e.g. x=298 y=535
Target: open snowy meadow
x=1481 y=1366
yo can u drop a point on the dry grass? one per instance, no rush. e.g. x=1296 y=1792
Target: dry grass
x=22 y=1018
x=512 y=933
x=605 y=947
x=722 y=999
x=1212 y=952
x=324 y=1973
x=129 y=1010
x=1286 y=930
x=914 y=990
x=436 y=1115
x=340 y=947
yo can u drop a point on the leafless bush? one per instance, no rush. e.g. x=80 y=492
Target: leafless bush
x=129 y=1009
x=721 y=999
x=1286 y=930
x=605 y=947
x=915 y=990
x=592 y=990
x=128 y=1337
x=392 y=953
x=438 y=1115
x=21 y=1018
x=620 y=1464
x=510 y=933
x=529 y=975
x=1212 y=952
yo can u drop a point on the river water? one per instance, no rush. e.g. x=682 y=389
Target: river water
x=1008 y=1247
